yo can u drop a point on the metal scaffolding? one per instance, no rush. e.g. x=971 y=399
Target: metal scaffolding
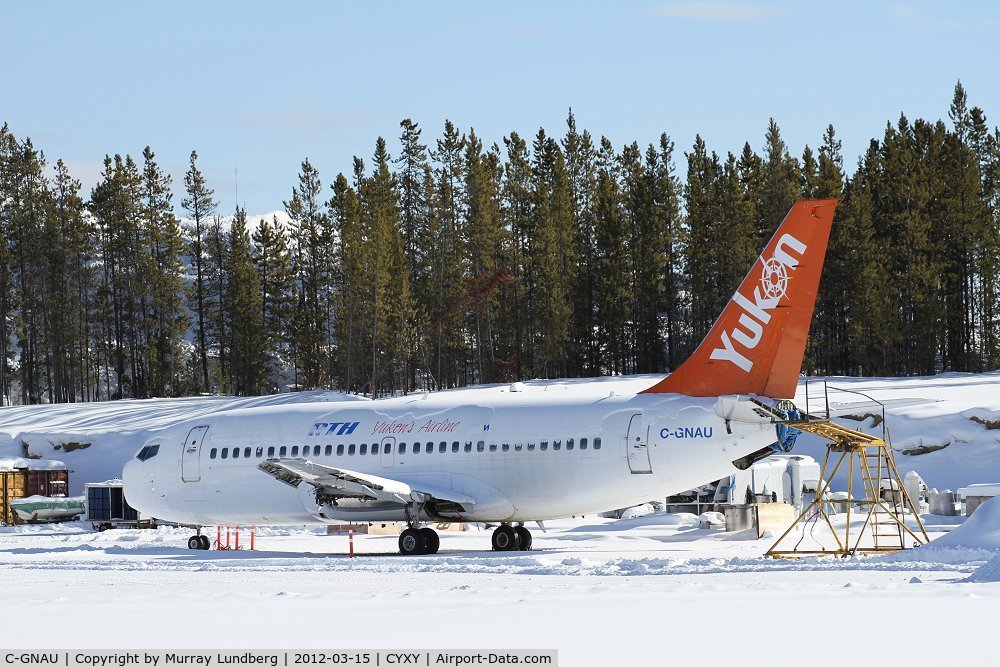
x=874 y=489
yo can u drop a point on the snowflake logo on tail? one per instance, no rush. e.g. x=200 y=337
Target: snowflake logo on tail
x=774 y=279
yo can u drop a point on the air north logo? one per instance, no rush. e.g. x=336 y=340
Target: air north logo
x=772 y=288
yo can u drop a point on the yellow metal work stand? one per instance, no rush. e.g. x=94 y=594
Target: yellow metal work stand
x=870 y=460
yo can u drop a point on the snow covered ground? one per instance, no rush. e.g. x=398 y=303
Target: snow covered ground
x=653 y=590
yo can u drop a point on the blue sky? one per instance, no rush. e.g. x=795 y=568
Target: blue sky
x=259 y=86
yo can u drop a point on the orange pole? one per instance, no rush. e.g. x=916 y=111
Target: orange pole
x=218 y=536
x=253 y=534
x=228 y=533
x=350 y=537
x=237 y=546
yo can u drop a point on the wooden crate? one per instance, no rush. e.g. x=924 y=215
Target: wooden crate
x=13 y=485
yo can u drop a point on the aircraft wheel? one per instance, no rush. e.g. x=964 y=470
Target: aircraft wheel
x=525 y=538
x=204 y=543
x=411 y=542
x=431 y=540
x=194 y=542
x=505 y=539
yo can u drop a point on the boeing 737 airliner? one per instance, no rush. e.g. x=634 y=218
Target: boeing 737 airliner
x=505 y=457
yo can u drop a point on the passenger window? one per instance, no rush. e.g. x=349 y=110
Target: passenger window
x=270 y=452
x=480 y=446
x=236 y=452
x=363 y=449
x=328 y=450
x=416 y=448
x=260 y=452
x=316 y=450
x=454 y=448
x=556 y=445
x=387 y=448
x=597 y=443
x=295 y=451
x=212 y=453
x=506 y=447
x=281 y=452
x=225 y=452
x=340 y=450
x=543 y=445
x=493 y=446
x=583 y=443
x=518 y=446
x=468 y=446
x=374 y=449
x=246 y=452
x=442 y=447
x=350 y=450
x=531 y=446
x=569 y=443
x=402 y=448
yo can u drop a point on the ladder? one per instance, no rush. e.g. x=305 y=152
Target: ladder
x=877 y=494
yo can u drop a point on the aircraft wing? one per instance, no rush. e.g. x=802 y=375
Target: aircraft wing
x=338 y=483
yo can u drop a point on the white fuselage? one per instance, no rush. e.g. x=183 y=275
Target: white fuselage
x=496 y=446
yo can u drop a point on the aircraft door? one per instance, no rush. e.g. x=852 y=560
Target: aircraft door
x=636 y=449
x=388 y=452
x=191 y=454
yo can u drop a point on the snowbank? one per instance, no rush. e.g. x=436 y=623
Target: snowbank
x=980 y=531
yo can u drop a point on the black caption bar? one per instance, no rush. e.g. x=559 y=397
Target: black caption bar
x=266 y=658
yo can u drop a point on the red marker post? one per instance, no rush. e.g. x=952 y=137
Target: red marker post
x=350 y=538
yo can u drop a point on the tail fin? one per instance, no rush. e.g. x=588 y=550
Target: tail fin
x=756 y=345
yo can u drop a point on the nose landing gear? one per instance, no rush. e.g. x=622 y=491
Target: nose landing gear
x=199 y=541
x=511 y=538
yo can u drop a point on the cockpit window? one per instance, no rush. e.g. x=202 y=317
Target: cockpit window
x=148 y=452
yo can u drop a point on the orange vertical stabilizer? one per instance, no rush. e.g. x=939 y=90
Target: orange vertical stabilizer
x=756 y=345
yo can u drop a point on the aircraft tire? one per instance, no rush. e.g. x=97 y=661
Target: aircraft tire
x=431 y=540
x=205 y=543
x=194 y=542
x=411 y=542
x=525 y=538
x=505 y=539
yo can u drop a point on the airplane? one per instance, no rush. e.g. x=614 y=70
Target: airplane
x=506 y=455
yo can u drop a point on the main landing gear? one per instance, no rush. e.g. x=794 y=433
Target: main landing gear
x=199 y=541
x=418 y=541
x=511 y=538
x=422 y=541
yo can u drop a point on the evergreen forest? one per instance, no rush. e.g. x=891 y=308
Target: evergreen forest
x=456 y=263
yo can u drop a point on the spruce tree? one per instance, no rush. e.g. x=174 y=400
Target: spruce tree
x=312 y=257
x=168 y=319
x=200 y=205
x=273 y=263
x=247 y=337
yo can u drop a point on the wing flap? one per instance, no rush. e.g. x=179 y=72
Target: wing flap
x=341 y=483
